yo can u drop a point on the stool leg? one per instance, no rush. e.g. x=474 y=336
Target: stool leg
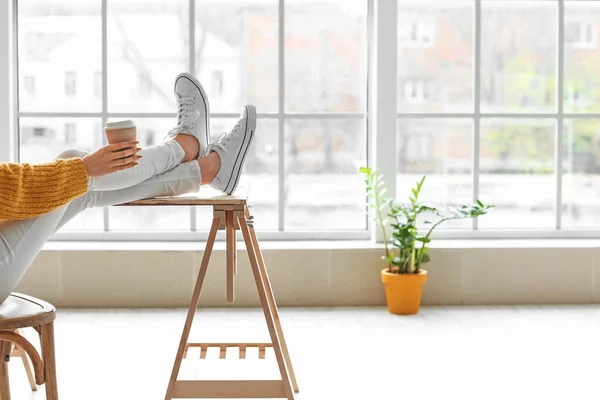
x=27 y=365
x=260 y=286
x=193 y=306
x=273 y=305
x=234 y=246
x=19 y=352
x=47 y=342
x=4 y=382
x=230 y=238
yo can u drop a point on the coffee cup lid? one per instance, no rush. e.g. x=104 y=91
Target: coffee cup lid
x=120 y=124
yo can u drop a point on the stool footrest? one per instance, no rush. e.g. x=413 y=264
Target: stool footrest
x=224 y=346
x=225 y=389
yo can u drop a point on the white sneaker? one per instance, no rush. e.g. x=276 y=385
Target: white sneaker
x=192 y=110
x=233 y=147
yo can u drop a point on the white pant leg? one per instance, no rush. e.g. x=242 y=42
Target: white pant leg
x=21 y=241
x=155 y=160
x=184 y=178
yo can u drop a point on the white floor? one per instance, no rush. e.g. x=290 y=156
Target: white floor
x=442 y=353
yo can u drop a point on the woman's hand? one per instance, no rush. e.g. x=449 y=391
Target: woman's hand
x=112 y=158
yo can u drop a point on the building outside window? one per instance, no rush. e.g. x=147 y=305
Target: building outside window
x=217 y=83
x=581 y=34
x=29 y=85
x=97 y=84
x=70 y=128
x=70 y=83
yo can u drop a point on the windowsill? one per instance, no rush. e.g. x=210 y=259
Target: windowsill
x=322 y=245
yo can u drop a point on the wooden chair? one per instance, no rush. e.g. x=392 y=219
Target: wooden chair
x=21 y=311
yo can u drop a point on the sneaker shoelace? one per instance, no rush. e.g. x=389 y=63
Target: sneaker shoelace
x=224 y=138
x=186 y=116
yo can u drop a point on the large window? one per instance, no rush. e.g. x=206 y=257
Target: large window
x=496 y=100
x=509 y=114
x=303 y=63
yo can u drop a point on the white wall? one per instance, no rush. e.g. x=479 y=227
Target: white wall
x=316 y=274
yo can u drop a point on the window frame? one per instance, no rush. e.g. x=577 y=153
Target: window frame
x=381 y=118
x=282 y=116
x=558 y=116
x=8 y=99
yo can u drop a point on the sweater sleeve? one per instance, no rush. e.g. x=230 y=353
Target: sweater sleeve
x=28 y=191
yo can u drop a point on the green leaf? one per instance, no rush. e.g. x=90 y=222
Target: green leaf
x=365 y=170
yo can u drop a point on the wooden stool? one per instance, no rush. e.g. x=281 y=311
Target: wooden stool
x=21 y=311
x=230 y=213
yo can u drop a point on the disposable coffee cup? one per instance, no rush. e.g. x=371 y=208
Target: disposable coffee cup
x=120 y=131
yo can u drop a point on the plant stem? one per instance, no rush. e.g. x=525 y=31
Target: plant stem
x=380 y=220
x=418 y=264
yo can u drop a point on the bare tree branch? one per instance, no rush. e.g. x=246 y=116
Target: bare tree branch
x=132 y=54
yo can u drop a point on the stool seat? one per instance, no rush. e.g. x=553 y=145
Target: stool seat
x=22 y=311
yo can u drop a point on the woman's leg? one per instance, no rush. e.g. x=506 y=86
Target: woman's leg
x=21 y=241
x=155 y=160
x=184 y=178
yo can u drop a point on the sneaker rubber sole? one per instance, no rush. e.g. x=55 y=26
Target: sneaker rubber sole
x=241 y=157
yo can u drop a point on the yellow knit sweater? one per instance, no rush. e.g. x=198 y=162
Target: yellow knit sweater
x=27 y=190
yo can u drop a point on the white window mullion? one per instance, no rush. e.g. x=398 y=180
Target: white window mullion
x=382 y=93
x=560 y=119
x=104 y=13
x=192 y=66
x=281 y=115
x=477 y=100
x=7 y=73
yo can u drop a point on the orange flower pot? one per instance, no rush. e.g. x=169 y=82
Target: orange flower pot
x=403 y=291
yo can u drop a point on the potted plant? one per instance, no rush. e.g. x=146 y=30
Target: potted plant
x=408 y=247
